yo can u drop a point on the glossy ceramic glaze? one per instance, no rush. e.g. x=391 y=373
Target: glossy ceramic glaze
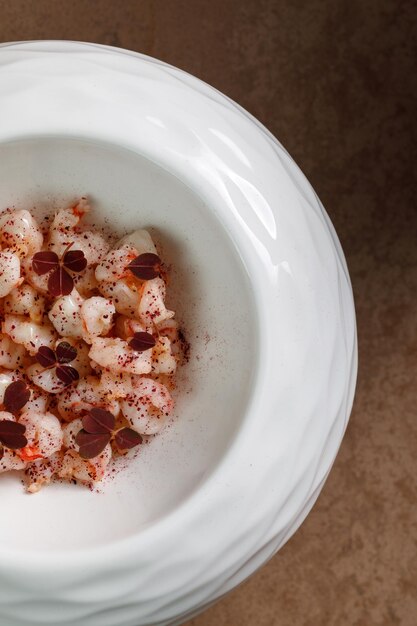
x=261 y=285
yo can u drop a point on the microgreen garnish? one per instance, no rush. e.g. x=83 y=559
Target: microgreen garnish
x=146 y=266
x=142 y=341
x=60 y=283
x=12 y=435
x=67 y=374
x=99 y=429
x=59 y=358
x=65 y=352
x=91 y=444
x=127 y=438
x=16 y=396
x=98 y=421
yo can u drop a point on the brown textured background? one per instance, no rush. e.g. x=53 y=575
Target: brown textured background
x=335 y=80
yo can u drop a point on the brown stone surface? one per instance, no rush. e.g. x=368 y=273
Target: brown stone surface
x=335 y=80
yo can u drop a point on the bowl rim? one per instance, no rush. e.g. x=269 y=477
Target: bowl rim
x=251 y=140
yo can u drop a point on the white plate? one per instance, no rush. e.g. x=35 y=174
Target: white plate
x=262 y=288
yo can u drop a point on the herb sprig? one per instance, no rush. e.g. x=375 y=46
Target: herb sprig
x=60 y=282
x=59 y=358
x=12 y=434
x=99 y=428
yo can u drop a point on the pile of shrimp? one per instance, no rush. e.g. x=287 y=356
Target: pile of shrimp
x=107 y=307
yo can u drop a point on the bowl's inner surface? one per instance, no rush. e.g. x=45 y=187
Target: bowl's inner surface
x=209 y=290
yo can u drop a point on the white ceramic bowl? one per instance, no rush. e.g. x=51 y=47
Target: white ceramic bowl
x=262 y=288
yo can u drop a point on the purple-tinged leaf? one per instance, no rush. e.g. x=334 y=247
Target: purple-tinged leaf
x=12 y=434
x=98 y=421
x=142 y=341
x=16 y=396
x=91 y=445
x=127 y=438
x=146 y=266
x=74 y=260
x=44 y=262
x=46 y=357
x=67 y=374
x=65 y=352
x=60 y=283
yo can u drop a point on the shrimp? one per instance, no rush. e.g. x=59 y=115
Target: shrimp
x=115 y=385
x=86 y=283
x=69 y=432
x=152 y=308
x=40 y=472
x=7 y=377
x=73 y=466
x=85 y=470
x=163 y=362
x=65 y=315
x=20 y=233
x=83 y=396
x=29 y=334
x=116 y=283
x=114 y=265
x=97 y=315
x=45 y=379
x=10 y=459
x=148 y=406
x=9 y=272
x=140 y=240
x=169 y=328
x=117 y=356
x=40 y=283
x=126 y=297
x=126 y=327
x=64 y=230
x=44 y=435
x=12 y=355
x=24 y=300
x=38 y=401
